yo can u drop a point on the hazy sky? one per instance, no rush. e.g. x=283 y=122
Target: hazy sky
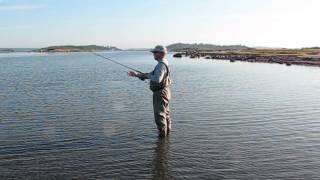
x=144 y=23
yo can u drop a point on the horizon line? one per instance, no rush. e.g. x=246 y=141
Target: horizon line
x=256 y=47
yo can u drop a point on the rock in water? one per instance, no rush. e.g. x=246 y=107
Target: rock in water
x=177 y=55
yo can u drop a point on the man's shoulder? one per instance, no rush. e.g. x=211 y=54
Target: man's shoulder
x=163 y=63
x=162 y=66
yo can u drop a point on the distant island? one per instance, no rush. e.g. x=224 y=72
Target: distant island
x=304 y=56
x=6 y=50
x=71 y=48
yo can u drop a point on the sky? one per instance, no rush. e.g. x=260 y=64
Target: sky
x=145 y=23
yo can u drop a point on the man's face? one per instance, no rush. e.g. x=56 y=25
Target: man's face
x=158 y=55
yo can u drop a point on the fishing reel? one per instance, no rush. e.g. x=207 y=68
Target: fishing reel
x=142 y=78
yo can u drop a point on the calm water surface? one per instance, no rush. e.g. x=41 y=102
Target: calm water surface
x=65 y=116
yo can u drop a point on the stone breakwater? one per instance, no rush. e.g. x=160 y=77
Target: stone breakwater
x=232 y=57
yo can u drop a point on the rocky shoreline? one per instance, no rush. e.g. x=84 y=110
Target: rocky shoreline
x=297 y=58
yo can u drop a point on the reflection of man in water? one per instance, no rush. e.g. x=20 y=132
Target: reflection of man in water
x=160 y=168
x=160 y=85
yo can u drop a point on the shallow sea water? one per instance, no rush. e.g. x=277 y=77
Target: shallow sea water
x=65 y=116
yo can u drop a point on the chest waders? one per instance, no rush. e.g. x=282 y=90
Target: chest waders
x=161 y=99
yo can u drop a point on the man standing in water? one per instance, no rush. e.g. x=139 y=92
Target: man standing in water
x=160 y=85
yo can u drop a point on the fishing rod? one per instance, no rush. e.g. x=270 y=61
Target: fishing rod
x=99 y=55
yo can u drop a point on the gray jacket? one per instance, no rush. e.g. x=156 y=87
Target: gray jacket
x=159 y=71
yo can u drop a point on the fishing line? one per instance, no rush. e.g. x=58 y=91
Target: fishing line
x=104 y=57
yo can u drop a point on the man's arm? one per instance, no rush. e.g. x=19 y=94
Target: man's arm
x=158 y=73
x=143 y=76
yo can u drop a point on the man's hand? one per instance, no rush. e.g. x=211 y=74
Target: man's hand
x=132 y=74
x=141 y=76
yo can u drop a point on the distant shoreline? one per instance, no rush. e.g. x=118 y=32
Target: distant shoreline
x=6 y=50
x=232 y=53
x=61 y=49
